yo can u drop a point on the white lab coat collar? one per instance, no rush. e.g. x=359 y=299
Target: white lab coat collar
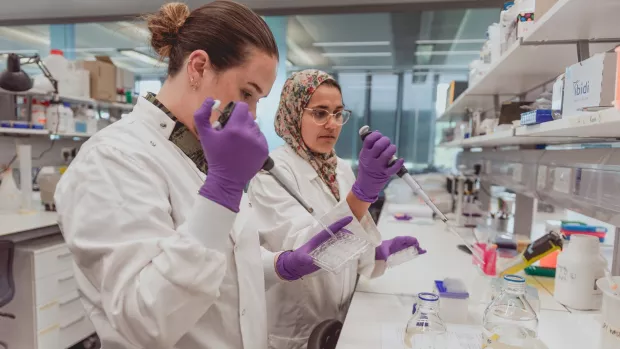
x=150 y=113
x=310 y=173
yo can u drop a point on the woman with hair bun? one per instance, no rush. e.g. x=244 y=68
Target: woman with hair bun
x=148 y=207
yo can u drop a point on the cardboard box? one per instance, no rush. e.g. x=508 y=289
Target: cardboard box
x=102 y=78
x=589 y=84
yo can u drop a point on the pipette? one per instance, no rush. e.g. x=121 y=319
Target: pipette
x=404 y=174
x=269 y=166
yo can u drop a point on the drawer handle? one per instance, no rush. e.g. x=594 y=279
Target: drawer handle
x=62 y=327
x=66 y=278
x=64 y=255
x=69 y=301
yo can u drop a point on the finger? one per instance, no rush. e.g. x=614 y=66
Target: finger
x=395 y=167
x=339 y=224
x=379 y=147
x=387 y=154
x=421 y=251
x=370 y=140
x=203 y=114
x=240 y=115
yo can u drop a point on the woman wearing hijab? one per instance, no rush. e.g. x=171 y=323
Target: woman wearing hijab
x=309 y=119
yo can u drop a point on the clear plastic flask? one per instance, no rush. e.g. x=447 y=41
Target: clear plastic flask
x=425 y=321
x=510 y=319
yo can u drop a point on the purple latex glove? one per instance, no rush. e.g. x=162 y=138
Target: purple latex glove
x=234 y=154
x=374 y=171
x=292 y=265
x=397 y=244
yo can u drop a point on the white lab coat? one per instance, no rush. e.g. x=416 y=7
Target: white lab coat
x=158 y=266
x=294 y=308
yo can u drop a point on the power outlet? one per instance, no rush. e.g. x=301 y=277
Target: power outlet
x=65 y=154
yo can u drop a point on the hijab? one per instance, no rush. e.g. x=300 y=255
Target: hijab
x=296 y=94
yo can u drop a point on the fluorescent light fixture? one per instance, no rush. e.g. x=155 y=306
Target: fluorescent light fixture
x=441 y=66
x=447 y=53
x=23 y=36
x=289 y=63
x=140 y=56
x=357 y=54
x=351 y=43
x=362 y=67
x=455 y=41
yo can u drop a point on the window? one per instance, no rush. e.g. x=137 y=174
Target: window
x=354 y=93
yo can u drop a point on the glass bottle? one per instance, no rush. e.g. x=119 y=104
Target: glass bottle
x=510 y=319
x=425 y=319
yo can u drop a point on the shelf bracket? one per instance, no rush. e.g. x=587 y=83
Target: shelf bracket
x=583 y=50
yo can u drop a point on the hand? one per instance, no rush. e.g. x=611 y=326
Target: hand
x=292 y=265
x=234 y=154
x=397 y=244
x=374 y=170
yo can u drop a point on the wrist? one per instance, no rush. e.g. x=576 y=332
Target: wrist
x=280 y=266
x=222 y=191
x=361 y=195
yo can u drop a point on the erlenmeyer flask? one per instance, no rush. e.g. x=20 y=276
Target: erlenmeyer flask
x=510 y=319
x=425 y=320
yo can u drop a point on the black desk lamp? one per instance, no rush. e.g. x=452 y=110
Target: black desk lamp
x=14 y=79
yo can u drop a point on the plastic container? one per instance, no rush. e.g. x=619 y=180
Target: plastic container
x=610 y=331
x=403 y=256
x=66 y=122
x=337 y=251
x=454 y=300
x=510 y=319
x=579 y=266
x=52 y=114
x=425 y=320
x=91 y=122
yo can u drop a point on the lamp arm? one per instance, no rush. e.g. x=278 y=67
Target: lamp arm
x=36 y=59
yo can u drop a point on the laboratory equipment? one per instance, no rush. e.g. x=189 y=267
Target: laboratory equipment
x=610 y=331
x=334 y=253
x=404 y=174
x=510 y=319
x=579 y=266
x=425 y=320
x=535 y=251
x=402 y=256
x=454 y=300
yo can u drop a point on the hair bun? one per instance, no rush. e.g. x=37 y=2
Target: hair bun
x=164 y=26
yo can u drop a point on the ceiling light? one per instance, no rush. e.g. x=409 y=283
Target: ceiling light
x=441 y=67
x=362 y=67
x=455 y=41
x=447 y=53
x=299 y=53
x=357 y=54
x=351 y=43
x=140 y=56
x=289 y=63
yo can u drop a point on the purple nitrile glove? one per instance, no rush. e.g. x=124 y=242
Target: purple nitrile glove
x=374 y=170
x=397 y=244
x=234 y=154
x=292 y=265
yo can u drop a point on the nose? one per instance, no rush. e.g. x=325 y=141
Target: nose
x=331 y=124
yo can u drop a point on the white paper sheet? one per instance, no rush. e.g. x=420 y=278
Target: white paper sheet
x=457 y=337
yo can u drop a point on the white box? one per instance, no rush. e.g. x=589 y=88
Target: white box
x=590 y=83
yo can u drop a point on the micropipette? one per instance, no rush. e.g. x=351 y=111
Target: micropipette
x=404 y=174
x=269 y=166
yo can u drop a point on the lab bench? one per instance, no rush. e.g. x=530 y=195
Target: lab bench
x=47 y=307
x=389 y=299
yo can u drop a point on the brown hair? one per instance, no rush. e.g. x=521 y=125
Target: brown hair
x=224 y=29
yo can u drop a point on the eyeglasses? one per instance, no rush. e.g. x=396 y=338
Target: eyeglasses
x=321 y=116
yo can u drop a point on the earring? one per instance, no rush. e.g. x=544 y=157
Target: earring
x=193 y=85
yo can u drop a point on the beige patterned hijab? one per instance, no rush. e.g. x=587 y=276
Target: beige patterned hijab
x=296 y=94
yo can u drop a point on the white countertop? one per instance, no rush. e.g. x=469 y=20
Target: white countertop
x=14 y=222
x=389 y=298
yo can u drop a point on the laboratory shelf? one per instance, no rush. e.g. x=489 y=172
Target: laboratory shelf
x=588 y=127
x=490 y=140
x=457 y=143
x=22 y=131
x=72 y=134
x=570 y=20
